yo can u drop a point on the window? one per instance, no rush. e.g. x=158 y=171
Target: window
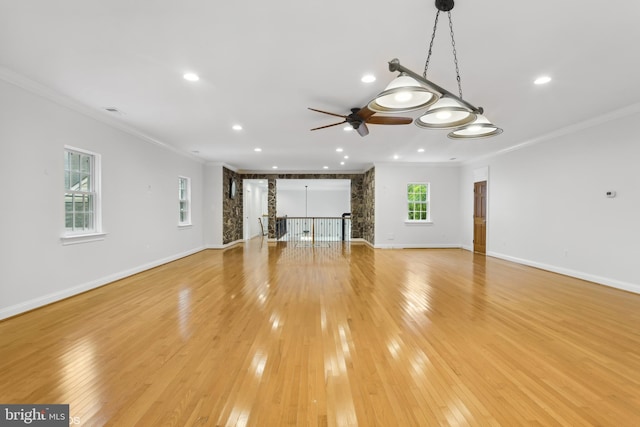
x=418 y=202
x=81 y=192
x=184 y=201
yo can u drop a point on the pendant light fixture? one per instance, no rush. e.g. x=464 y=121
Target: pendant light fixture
x=445 y=110
x=445 y=114
x=480 y=128
x=403 y=94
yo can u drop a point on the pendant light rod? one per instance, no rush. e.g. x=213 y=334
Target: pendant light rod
x=394 y=65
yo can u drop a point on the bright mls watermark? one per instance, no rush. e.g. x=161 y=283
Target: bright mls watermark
x=34 y=415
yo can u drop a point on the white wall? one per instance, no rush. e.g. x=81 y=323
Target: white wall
x=212 y=211
x=140 y=207
x=320 y=202
x=391 y=228
x=547 y=203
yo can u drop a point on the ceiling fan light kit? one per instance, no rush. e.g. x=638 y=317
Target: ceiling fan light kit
x=411 y=91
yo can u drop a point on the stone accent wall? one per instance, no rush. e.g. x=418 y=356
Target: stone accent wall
x=369 y=204
x=231 y=208
x=357 y=208
x=361 y=206
x=271 y=206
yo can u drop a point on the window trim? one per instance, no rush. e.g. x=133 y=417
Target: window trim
x=187 y=222
x=73 y=237
x=427 y=202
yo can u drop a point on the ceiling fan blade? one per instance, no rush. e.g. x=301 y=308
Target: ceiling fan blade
x=364 y=113
x=326 y=112
x=363 y=130
x=328 y=126
x=383 y=120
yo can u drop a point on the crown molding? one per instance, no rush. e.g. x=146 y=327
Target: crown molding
x=400 y=164
x=57 y=98
x=567 y=130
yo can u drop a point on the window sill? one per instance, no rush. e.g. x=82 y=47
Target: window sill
x=184 y=226
x=410 y=222
x=82 y=238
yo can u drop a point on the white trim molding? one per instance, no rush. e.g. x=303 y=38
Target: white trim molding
x=25 y=306
x=361 y=241
x=42 y=91
x=226 y=245
x=71 y=239
x=630 y=287
x=418 y=246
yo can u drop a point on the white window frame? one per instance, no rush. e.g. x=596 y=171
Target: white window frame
x=186 y=222
x=426 y=202
x=95 y=232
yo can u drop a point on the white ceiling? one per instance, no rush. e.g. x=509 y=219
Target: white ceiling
x=263 y=63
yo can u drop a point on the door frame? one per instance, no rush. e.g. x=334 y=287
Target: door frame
x=479 y=175
x=480 y=207
x=251 y=205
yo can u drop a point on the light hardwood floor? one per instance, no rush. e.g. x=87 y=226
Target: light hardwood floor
x=336 y=335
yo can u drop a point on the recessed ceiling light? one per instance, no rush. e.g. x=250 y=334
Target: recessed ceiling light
x=237 y=127
x=348 y=128
x=339 y=150
x=274 y=167
x=342 y=163
x=420 y=150
x=396 y=157
x=257 y=149
x=368 y=78
x=325 y=167
x=542 y=80
x=346 y=157
x=192 y=77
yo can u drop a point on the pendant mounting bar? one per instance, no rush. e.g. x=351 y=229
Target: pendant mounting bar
x=394 y=65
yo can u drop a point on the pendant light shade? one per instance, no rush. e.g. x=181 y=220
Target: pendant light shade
x=445 y=110
x=480 y=128
x=445 y=114
x=401 y=95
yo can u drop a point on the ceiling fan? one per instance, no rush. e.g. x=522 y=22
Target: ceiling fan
x=360 y=117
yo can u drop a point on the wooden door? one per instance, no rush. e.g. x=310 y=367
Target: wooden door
x=480 y=217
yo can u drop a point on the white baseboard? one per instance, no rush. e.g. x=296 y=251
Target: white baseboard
x=66 y=293
x=359 y=241
x=630 y=287
x=417 y=246
x=226 y=245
